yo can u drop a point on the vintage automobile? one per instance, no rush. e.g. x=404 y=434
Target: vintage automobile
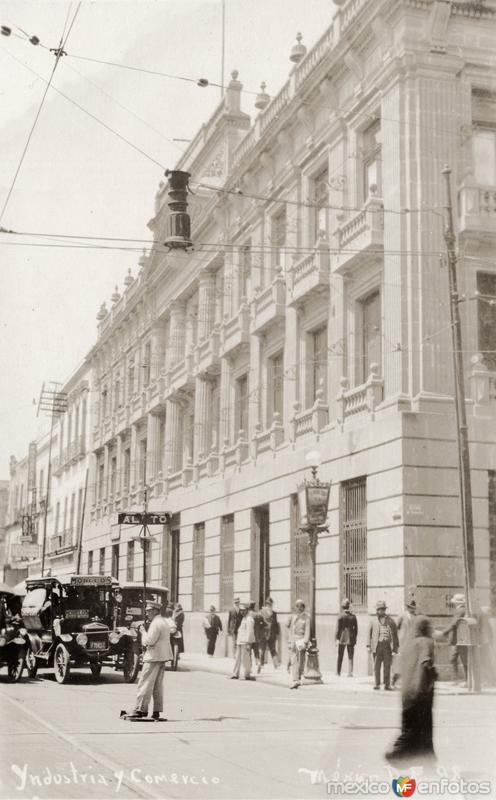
x=129 y=618
x=14 y=643
x=69 y=622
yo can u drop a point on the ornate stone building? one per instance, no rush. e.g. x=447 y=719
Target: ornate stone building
x=313 y=312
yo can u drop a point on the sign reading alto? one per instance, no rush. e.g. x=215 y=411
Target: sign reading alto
x=144 y=518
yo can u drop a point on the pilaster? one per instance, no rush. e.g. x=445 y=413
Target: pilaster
x=202 y=397
x=206 y=304
x=173 y=436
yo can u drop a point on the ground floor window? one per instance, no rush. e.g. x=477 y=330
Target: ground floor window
x=198 y=566
x=260 y=571
x=353 y=537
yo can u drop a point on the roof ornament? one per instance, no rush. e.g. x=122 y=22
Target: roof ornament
x=102 y=312
x=298 y=51
x=262 y=99
x=128 y=280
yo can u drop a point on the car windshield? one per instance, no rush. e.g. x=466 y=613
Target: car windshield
x=87 y=602
x=132 y=601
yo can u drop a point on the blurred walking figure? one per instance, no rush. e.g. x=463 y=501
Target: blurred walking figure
x=346 y=636
x=233 y=622
x=259 y=630
x=488 y=672
x=418 y=675
x=459 y=652
x=406 y=628
x=271 y=633
x=383 y=642
x=298 y=639
x=212 y=626
x=246 y=638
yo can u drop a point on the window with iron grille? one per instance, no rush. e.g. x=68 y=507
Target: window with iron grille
x=115 y=561
x=130 y=561
x=90 y=562
x=492 y=539
x=486 y=316
x=241 y=406
x=371 y=325
x=276 y=391
x=321 y=191
x=198 y=566
x=101 y=566
x=301 y=564
x=226 y=562
x=260 y=555
x=127 y=468
x=354 y=542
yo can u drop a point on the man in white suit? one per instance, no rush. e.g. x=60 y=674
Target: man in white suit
x=158 y=650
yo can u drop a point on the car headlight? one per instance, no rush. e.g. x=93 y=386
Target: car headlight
x=3 y=641
x=114 y=637
x=82 y=639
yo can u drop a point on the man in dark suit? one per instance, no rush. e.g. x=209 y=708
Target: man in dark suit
x=234 y=621
x=383 y=642
x=346 y=636
x=458 y=651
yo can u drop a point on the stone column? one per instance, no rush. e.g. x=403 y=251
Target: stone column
x=106 y=464
x=202 y=397
x=177 y=331
x=206 y=304
x=119 y=476
x=152 y=446
x=134 y=456
x=225 y=403
x=173 y=437
x=157 y=354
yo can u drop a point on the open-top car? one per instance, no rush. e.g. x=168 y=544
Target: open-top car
x=70 y=622
x=129 y=618
x=14 y=643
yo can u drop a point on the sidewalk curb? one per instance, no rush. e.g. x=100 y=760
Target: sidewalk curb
x=223 y=666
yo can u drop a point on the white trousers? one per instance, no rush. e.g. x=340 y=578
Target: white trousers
x=151 y=684
x=243 y=657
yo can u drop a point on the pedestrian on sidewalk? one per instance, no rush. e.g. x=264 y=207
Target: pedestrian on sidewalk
x=233 y=623
x=383 y=643
x=298 y=638
x=459 y=652
x=346 y=636
x=155 y=636
x=178 y=636
x=212 y=626
x=271 y=633
x=259 y=629
x=406 y=629
x=418 y=674
x=488 y=671
x=246 y=638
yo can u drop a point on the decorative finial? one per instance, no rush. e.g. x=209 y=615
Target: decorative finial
x=262 y=99
x=116 y=296
x=298 y=51
x=128 y=279
x=102 y=313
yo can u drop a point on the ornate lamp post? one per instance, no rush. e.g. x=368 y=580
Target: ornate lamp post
x=313 y=499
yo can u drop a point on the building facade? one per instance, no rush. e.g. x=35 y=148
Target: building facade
x=47 y=491
x=313 y=313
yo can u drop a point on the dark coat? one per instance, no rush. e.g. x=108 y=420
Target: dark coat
x=451 y=632
x=234 y=621
x=272 y=628
x=347 y=621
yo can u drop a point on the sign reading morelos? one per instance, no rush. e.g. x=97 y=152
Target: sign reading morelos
x=144 y=518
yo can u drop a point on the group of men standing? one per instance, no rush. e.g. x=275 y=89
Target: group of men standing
x=253 y=633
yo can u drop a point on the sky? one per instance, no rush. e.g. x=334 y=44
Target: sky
x=78 y=178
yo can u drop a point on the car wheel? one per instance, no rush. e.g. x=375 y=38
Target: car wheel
x=131 y=665
x=31 y=664
x=15 y=667
x=61 y=664
x=96 y=670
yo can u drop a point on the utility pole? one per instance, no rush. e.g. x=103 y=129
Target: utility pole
x=53 y=402
x=462 y=436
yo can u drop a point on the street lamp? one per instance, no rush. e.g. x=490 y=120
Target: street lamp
x=313 y=500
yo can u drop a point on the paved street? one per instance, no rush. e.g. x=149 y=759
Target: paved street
x=224 y=739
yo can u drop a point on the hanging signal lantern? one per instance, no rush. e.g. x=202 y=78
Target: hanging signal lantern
x=178 y=223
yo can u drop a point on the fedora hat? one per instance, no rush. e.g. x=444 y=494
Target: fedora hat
x=380 y=604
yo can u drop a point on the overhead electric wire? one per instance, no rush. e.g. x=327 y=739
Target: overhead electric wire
x=63 y=41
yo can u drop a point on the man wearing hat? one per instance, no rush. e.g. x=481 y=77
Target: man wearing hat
x=458 y=651
x=346 y=636
x=233 y=623
x=406 y=627
x=383 y=642
x=156 y=640
x=298 y=638
x=246 y=638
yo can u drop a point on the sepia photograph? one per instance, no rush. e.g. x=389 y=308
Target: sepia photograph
x=248 y=399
